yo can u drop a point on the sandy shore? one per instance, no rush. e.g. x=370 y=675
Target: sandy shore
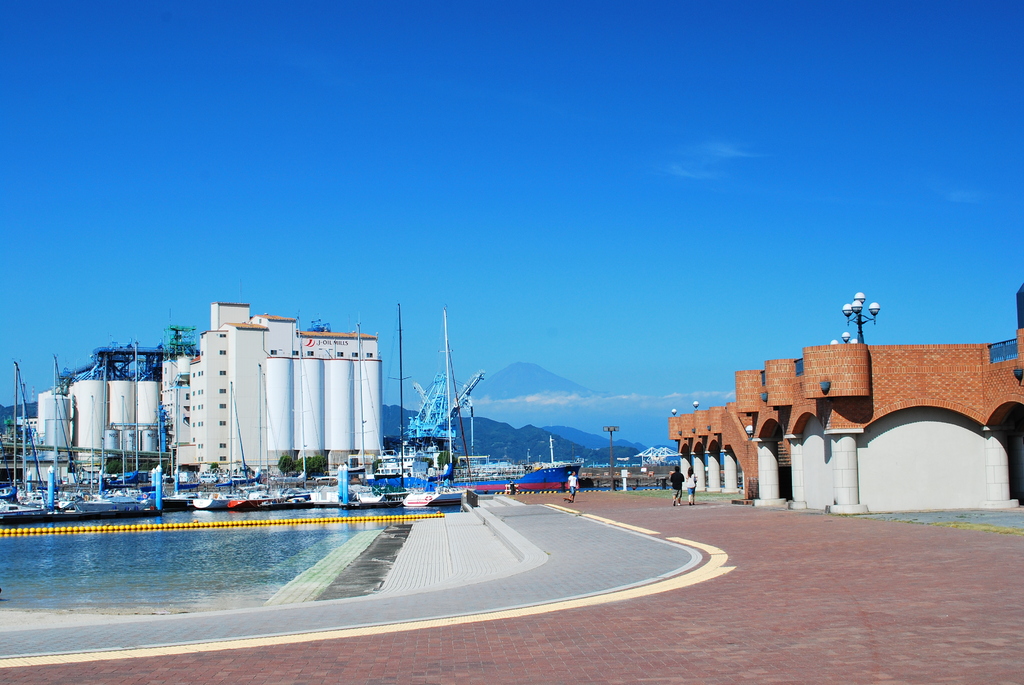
x=15 y=619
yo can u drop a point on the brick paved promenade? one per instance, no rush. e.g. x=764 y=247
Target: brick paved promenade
x=813 y=599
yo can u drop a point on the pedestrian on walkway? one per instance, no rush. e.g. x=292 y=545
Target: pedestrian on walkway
x=691 y=485
x=574 y=483
x=677 y=486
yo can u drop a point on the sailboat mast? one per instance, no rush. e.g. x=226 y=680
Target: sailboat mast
x=401 y=384
x=448 y=388
x=14 y=434
x=401 y=405
x=362 y=418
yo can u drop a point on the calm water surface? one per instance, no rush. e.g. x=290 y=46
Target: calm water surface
x=171 y=570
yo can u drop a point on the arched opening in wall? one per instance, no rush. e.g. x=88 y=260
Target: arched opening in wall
x=1011 y=415
x=771 y=431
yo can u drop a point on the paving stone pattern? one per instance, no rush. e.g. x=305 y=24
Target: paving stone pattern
x=813 y=599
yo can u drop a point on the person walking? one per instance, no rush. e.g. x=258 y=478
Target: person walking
x=677 y=486
x=691 y=486
x=574 y=483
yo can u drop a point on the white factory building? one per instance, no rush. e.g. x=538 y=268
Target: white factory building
x=260 y=388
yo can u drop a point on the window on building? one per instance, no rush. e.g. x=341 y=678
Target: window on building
x=223 y=373
x=295 y=353
x=223 y=406
x=222 y=335
x=200 y=445
x=200 y=458
x=273 y=352
x=223 y=445
x=223 y=458
x=355 y=354
x=224 y=352
x=186 y=396
x=223 y=391
x=309 y=354
x=223 y=423
x=369 y=355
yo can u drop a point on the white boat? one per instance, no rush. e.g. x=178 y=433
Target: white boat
x=440 y=497
x=114 y=503
x=216 y=500
x=10 y=509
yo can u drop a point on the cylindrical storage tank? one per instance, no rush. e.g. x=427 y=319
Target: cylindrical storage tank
x=111 y=439
x=148 y=402
x=44 y=417
x=57 y=423
x=309 y=397
x=150 y=440
x=128 y=439
x=89 y=413
x=121 y=399
x=368 y=404
x=280 y=406
x=338 y=415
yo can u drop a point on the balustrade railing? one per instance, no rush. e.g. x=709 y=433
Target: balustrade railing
x=1002 y=351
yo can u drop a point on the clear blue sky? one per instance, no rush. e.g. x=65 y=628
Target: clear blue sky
x=641 y=197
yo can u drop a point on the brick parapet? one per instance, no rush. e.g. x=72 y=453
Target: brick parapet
x=866 y=383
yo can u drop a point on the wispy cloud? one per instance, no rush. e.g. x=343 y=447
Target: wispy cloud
x=635 y=401
x=968 y=196
x=707 y=161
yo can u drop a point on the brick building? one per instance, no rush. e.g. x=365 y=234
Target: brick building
x=854 y=428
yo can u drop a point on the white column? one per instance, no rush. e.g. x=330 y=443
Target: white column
x=730 y=472
x=845 y=483
x=768 y=474
x=997 y=472
x=714 y=474
x=796 y=457
x=698 y=470
x=1016 y=452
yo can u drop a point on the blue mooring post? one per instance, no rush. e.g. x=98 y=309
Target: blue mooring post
x=51 y=487
x=343 y=484
x=177 y=477
x=158 y=479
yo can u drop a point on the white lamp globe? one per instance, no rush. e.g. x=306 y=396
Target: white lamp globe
x=874 y=308
x=846 y=336
x=834 y=342
x=847 y=309
x=696 y=404
x=859 y=297
x=857 y=306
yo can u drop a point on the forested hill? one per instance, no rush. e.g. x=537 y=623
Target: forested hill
x=502 y=441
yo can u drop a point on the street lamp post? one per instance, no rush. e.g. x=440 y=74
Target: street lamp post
x=610 y=430
x=855 y=314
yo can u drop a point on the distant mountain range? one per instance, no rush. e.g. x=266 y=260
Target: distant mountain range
x=590 y=440
x=7 y=413
x=521 y=379
x=501 y=440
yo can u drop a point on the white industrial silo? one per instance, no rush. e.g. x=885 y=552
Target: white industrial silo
x=128 y=439
x=309 y=401
x=121 y=400
x=280 y=406
x=150 y=440
x=368 y=419
x=111 y=439
x=338 y=415
x=44 y=417
x=87 y=398
x=56 y=425
x=148 y=412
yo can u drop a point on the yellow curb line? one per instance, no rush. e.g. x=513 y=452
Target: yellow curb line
x=714 y=568
x=638 y=529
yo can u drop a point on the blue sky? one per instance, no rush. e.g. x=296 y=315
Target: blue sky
x=641 y=197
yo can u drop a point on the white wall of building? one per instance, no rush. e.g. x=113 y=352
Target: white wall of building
x=921 y=458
